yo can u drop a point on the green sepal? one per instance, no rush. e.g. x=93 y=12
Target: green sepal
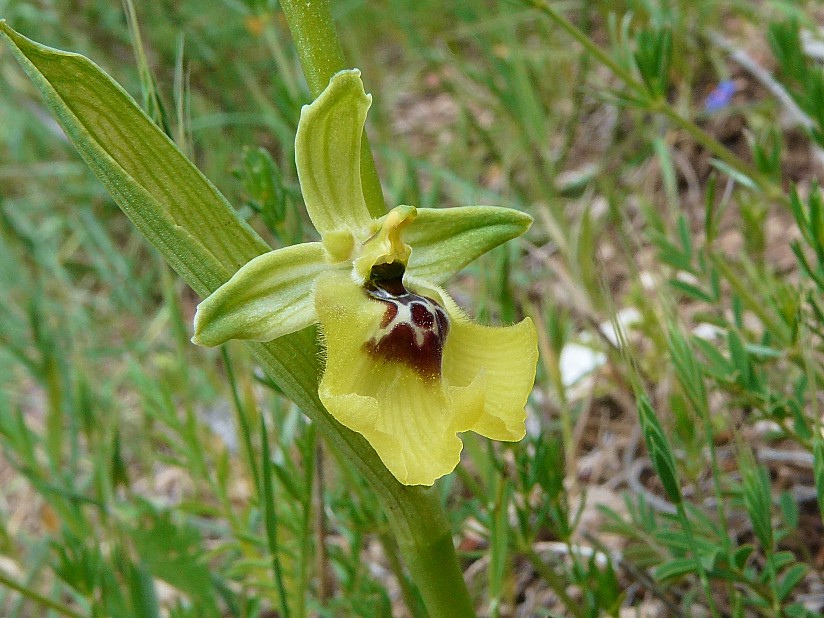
x=444 y=240
x=327 y=153
x=269 y=297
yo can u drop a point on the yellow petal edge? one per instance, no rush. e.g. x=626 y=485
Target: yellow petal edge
x=410 y=421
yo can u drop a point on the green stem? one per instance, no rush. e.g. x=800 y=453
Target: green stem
x=699 y=567
x=415 y=514
x=770 y=189
x=38 y=598
x=243 y=421
x=267 y=497
x=321 y=56
x=603 y=57
x=425 y=540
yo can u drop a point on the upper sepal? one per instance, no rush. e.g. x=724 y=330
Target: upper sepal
x=327 y=153
x=269 y=297
x=444 y=240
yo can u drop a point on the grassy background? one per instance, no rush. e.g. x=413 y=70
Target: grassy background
x=674 y=277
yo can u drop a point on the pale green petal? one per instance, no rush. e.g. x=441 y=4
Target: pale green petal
x=444 y=240
x=411 y=422
x=327 y=152
x=504 y=358
x=269 y=297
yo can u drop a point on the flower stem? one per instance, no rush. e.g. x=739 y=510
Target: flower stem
x=435 y=569
x=415 y=513
x=321 y=56
x=425 y=540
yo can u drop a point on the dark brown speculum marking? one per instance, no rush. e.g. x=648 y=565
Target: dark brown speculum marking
x=413 y=329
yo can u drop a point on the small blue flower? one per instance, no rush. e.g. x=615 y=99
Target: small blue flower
x=720 y=97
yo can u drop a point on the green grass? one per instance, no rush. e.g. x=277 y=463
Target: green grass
x=141 y=476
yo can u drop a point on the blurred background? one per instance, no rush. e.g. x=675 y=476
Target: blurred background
x=669 y=152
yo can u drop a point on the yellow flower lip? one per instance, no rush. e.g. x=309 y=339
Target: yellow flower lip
x=385 y=246
x=411 y=379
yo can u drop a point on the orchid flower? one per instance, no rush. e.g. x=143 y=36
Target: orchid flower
x=405 y=367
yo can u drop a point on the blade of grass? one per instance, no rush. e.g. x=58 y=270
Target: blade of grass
x=266 y=492
x=38 y=598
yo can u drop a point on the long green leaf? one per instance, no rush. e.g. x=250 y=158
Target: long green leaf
x=182 y=214
x=192 y=225
x=163 y=193
x=168 y=199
